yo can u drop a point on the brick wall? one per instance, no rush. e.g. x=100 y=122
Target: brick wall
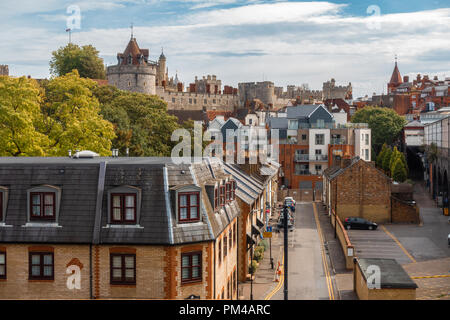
x=17 y=285
x=158 y=272
x=404 y=212
x=362 y=191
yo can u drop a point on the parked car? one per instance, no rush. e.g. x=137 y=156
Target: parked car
x=359 y=223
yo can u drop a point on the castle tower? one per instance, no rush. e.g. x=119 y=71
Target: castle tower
x=161 y=73
x=4 y=70
x=396 y=78
x=133 y=72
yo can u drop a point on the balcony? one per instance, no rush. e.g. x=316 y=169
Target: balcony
x=310 y=157
x=307 y=173
x=337 y=141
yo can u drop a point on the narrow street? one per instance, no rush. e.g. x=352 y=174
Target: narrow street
x=307 y=276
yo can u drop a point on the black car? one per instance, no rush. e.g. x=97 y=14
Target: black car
x=359 y=223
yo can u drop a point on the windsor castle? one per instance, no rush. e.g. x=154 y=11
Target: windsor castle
x=135 y=72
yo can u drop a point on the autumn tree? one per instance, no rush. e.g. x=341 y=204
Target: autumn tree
x=72 y=119
x=21 y=118
x=85 y=59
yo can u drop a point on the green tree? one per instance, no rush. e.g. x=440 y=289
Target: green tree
x=85 y=59
x=387 y=160
x=380 y=157
x=399 y=171
x=72 y=117
x=385 y=123
x=20 y=118
x=141 y=121
x=394 y=156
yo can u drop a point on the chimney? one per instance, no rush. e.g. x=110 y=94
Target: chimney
x=405 y=78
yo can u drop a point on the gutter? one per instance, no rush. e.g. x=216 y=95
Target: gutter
x=168 y=207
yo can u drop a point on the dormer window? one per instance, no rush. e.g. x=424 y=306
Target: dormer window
x=233 y=190
x=123 y=208
x=216 y=198
x=130 y=59
x=222 y=196
x=43 y=205
x=228 y=191
x=124 y=203
x=188 y=206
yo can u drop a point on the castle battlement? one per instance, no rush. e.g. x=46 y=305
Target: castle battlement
x=142 y=69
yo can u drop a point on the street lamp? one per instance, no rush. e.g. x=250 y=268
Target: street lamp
x=285 y=221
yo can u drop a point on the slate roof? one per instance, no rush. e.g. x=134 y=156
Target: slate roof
x=302 y=111
x=392 y=273
x=278 y=123
x=84 y=193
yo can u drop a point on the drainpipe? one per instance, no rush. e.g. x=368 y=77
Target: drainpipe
x=214 y=291
x=237 y=258
x=90 y=271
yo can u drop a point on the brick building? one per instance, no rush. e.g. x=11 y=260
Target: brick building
x=106 y=228
x=310 y=140
x=357 y=189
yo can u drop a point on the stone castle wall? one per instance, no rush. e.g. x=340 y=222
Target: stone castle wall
x=198 y=101
x=141 y=78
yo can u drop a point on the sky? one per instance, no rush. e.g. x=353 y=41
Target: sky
x=286 y=42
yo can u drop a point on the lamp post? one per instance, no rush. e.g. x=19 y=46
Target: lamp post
x=285 y=221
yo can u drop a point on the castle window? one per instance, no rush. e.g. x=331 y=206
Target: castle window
x=129 y=83
x=173 y=100
x=204 y=101
x=130 y=59
x=190 y=100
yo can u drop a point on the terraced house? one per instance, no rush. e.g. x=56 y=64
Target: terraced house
x=105 y=228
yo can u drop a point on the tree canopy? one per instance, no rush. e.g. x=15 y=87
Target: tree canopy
x=385 y=124
x=85 y=59
x=72 y=117
x=141 y=121
x=21 y=118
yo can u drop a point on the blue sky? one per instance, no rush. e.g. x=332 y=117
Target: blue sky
x=287 y=42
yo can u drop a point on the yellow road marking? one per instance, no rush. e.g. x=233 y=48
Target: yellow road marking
x=399 y=244
x=280 y=283
x=436 y=276
x=324 y=260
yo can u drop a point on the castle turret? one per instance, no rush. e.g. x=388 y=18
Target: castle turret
x=133 y=71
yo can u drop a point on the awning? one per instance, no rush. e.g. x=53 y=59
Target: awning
x=259 y=223
x=250 y=241
x=255 y=231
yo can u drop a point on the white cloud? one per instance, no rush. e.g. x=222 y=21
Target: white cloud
x=291 y=43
